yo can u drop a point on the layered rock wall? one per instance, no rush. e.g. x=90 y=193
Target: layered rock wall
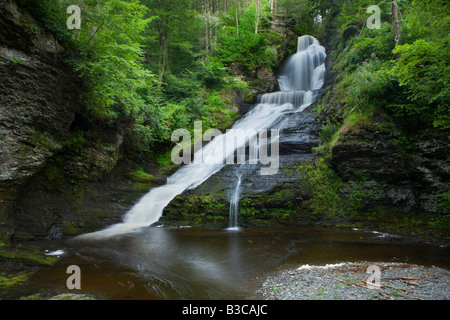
x=38 y=101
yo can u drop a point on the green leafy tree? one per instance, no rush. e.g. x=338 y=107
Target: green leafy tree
x=174 y=26
x=110 y=58
x=246 y=47
x=424 y=68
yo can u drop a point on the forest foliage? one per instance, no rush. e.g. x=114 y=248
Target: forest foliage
x=410 y=78
x=164 y=63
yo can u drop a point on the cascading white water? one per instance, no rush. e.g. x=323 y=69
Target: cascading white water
x=310 y=61
x=301 y=76
x=234 y=205
x=300 y=79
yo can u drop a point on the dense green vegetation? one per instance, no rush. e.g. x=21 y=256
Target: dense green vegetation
x=409 y=79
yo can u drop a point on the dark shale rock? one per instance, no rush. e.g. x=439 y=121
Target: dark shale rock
x=38 y=100
x=404 y=182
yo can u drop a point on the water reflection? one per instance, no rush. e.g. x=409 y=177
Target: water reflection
x=162 y=263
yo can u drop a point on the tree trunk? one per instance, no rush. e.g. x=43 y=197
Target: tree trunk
x=207 y=36
x=258 y=13
x=164 y=57
x=147 y=57
x=236 y=2
x=396 y=22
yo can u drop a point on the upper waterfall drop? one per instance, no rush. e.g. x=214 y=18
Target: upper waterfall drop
x=305 y=70
x=300 y=79
x=301 y=76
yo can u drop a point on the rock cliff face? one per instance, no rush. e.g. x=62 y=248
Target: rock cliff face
x=400 y=176
x=38 y=102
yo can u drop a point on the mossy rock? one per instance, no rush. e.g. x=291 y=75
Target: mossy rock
x=12 y=280
x=71 y=296
x=27 y=255
x=140 y=176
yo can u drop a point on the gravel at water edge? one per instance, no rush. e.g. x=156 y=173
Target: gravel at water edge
x=348 y=281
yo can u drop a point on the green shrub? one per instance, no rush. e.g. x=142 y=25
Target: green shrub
x=424 y=68
x=141 y=176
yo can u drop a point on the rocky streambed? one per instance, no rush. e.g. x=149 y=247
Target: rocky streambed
x=349 y=281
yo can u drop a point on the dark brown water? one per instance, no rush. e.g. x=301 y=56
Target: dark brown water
x=161 y=263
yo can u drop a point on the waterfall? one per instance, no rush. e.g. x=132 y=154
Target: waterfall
x=310 y=59
x=301 y=76
x=234 y=205
x=300 y=79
